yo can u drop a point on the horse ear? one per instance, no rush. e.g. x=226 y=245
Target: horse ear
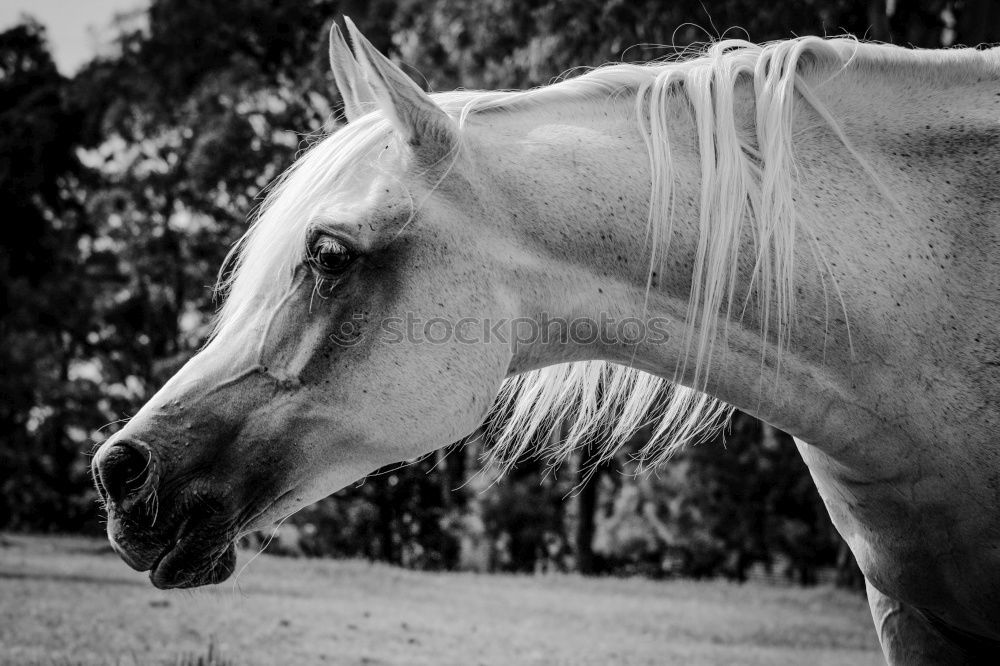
x=358 y=96
x=420 y=121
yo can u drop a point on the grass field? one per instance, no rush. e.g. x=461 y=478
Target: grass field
x=69 y=601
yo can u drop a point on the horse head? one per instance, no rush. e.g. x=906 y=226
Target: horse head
x=319 y=370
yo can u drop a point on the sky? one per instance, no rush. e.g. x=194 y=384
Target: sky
x=76 y=28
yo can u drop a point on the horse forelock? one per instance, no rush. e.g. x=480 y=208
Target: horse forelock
x=261 y=265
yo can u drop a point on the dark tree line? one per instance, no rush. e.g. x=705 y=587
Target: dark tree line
x=124 y=185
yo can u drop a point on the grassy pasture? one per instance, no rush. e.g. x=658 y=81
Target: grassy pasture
x=70 y=601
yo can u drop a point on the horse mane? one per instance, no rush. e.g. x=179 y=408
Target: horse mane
x=747 y=179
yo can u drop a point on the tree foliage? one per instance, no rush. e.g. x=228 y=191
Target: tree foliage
x=43 y=317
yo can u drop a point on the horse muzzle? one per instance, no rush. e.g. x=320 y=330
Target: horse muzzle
x=183 y=539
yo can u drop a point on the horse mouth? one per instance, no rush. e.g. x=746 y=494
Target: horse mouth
x=191 y=562
x=201 y=552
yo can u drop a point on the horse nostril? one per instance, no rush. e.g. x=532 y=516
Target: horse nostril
x=122 y=470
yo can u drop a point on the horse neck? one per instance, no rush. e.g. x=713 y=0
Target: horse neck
x=578 y=176
x=575 y=179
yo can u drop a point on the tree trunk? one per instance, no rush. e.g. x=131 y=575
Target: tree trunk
x=387 y=546
x=979 y=22
x=878 y=21
x=588 y=480
x=451 y=464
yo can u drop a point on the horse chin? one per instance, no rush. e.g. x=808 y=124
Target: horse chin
x=189 y=563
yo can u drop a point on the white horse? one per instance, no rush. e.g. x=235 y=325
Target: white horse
x=807 y=230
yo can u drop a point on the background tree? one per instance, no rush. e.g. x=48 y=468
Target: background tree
x=46 y=399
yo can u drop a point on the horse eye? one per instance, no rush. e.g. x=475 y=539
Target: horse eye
x=330 y=256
